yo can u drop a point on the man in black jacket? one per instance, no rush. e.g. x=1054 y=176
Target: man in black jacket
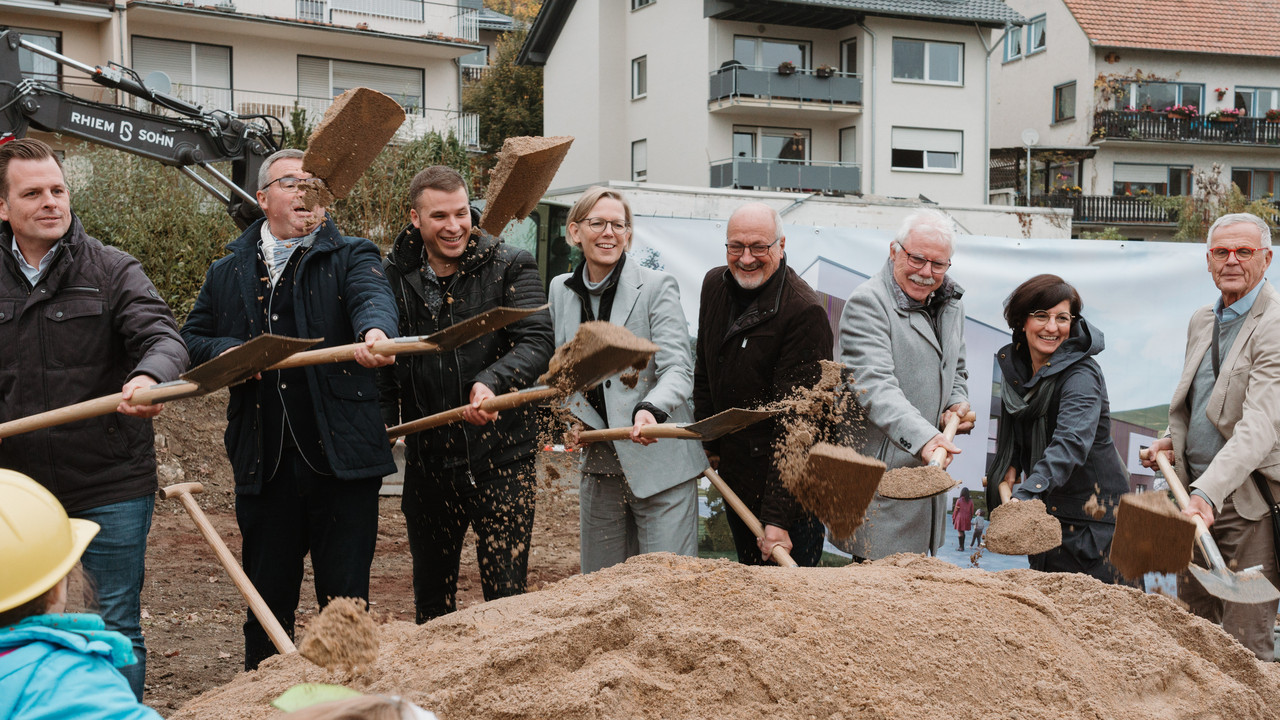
x=480 y=473
x=79 y=320
x=307 y=445
x=761 y=333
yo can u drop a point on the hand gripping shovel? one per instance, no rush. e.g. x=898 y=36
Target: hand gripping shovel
x=1245 y=587
x=717 y=426
x=184 y=491
x=910 y=483
x=598 y=350
x=779 y=554
x=450 y=338
x=232 y=367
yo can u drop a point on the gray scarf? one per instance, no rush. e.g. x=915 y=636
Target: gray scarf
x=1019 y=411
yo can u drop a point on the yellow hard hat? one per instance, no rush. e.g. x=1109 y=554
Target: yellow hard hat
x=38 y=542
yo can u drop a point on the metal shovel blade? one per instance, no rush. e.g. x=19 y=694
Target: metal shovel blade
x=728 y=422
x=474 y=328
x=1247 y=587
x=244 y=361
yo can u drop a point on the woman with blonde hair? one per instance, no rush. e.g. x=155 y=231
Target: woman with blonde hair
x=633 y=499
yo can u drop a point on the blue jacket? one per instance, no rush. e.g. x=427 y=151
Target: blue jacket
x=340 y=292
x=54 y=673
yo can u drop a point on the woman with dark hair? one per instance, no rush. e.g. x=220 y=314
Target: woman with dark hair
x=1055 y=426
x=962 y=515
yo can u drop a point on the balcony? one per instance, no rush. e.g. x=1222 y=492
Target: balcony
x=744 y=89
x=418 y=120
x=833 y=177
x=1158 y=127
x=1108 y=209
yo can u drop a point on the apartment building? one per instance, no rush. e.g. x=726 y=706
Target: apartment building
x=833 y=96
x=265 y=56
x=1128 y=99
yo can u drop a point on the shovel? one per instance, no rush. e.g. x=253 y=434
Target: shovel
x=232 y=367
x=184 y=492
x=837 y=485
x=354 y=129
x=717 y=426
x=1247 y=586
x=1021 y=528
x=779 y=554
x=597 y=351
x=910 y=483
x=450 y=338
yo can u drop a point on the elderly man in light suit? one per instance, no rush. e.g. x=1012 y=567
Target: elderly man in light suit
x=1222 y=422
x=902 y=335
x=633 y=499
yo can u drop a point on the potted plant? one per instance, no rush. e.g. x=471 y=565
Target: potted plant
x=1225 y=115
x=1222 y=92
x=786 y=67
x=1273 y=115
x=1182 y=111
x=824 y=71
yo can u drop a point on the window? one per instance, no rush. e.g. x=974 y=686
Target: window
x=771 y=144
x=1137 y=180
x=637 y=4
x=926 y=61
x=848 y=146
x=639 y=77
x=1257 y=184
x=1255 y=102
x=1035 y=35
x=924 y=149
x=324 y=78
x=1064 y=102
x=1160 y=95
x=1013 y=44
x=38 y=67
x=770 y=52
x=640 y=160
x=849 y=56
x=199 y=73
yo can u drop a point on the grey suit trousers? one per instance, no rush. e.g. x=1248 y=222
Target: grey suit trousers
x=617 y=525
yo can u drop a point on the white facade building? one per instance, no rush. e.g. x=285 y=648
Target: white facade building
x=841 y=97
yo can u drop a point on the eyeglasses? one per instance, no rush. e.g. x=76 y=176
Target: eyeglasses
x=1242 y=254
x=599 y=224
x=917 y=262
x=1042 y=317
x=288 y=183
x=736 y=249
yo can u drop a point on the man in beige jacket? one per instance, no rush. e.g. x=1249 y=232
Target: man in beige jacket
x=1222 y=421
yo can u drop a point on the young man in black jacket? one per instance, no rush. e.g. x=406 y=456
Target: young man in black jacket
x=479 y=473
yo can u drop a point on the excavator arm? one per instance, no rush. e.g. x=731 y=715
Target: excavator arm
x=190 y=138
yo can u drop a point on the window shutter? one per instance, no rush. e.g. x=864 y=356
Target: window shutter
x=313 y=78
x=171 y=58
x=213 y=66
x=928 y=140
x=403 y=84
x=1141 y=173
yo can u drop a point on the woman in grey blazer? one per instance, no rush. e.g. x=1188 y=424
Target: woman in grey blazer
x=633 y=499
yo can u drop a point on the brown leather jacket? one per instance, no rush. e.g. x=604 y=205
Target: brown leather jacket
x=91 y=322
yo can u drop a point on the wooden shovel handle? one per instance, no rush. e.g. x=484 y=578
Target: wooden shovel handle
x=343 y=353
x=949 y=432
x=780 y=554
x=184 y=491
x=97 y=407
x=657 y=431
x=498 y=403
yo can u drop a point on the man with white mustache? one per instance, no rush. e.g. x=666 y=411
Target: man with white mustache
x=902 y=335
x=761 y=333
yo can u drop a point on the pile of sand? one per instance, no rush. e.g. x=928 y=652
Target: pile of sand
x=663 y=636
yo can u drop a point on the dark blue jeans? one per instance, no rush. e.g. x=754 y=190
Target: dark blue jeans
x=438 y=507
x=115 y=562
x=300 y=511
x=807 y=535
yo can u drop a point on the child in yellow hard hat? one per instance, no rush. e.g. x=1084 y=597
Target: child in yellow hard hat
x=53 y=664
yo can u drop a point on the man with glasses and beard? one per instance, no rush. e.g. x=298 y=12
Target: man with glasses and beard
x=761 y=333
x=902 y=335
x=1222 y=424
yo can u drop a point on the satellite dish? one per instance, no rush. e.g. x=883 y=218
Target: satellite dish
x=159 y=82
x=1030 y=137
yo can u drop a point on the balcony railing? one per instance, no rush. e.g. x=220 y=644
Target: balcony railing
x=1122 y=125
x=744 y=81
x=418 y=120
x=1112 y=209
x=787 y=174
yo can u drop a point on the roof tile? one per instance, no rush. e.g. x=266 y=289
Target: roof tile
x=1225 y=27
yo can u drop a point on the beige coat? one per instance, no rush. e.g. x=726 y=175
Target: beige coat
x=1244 y=406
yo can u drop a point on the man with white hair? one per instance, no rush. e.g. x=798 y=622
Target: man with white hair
x=761 y=333
x=1222 y=437
x=902 y=335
